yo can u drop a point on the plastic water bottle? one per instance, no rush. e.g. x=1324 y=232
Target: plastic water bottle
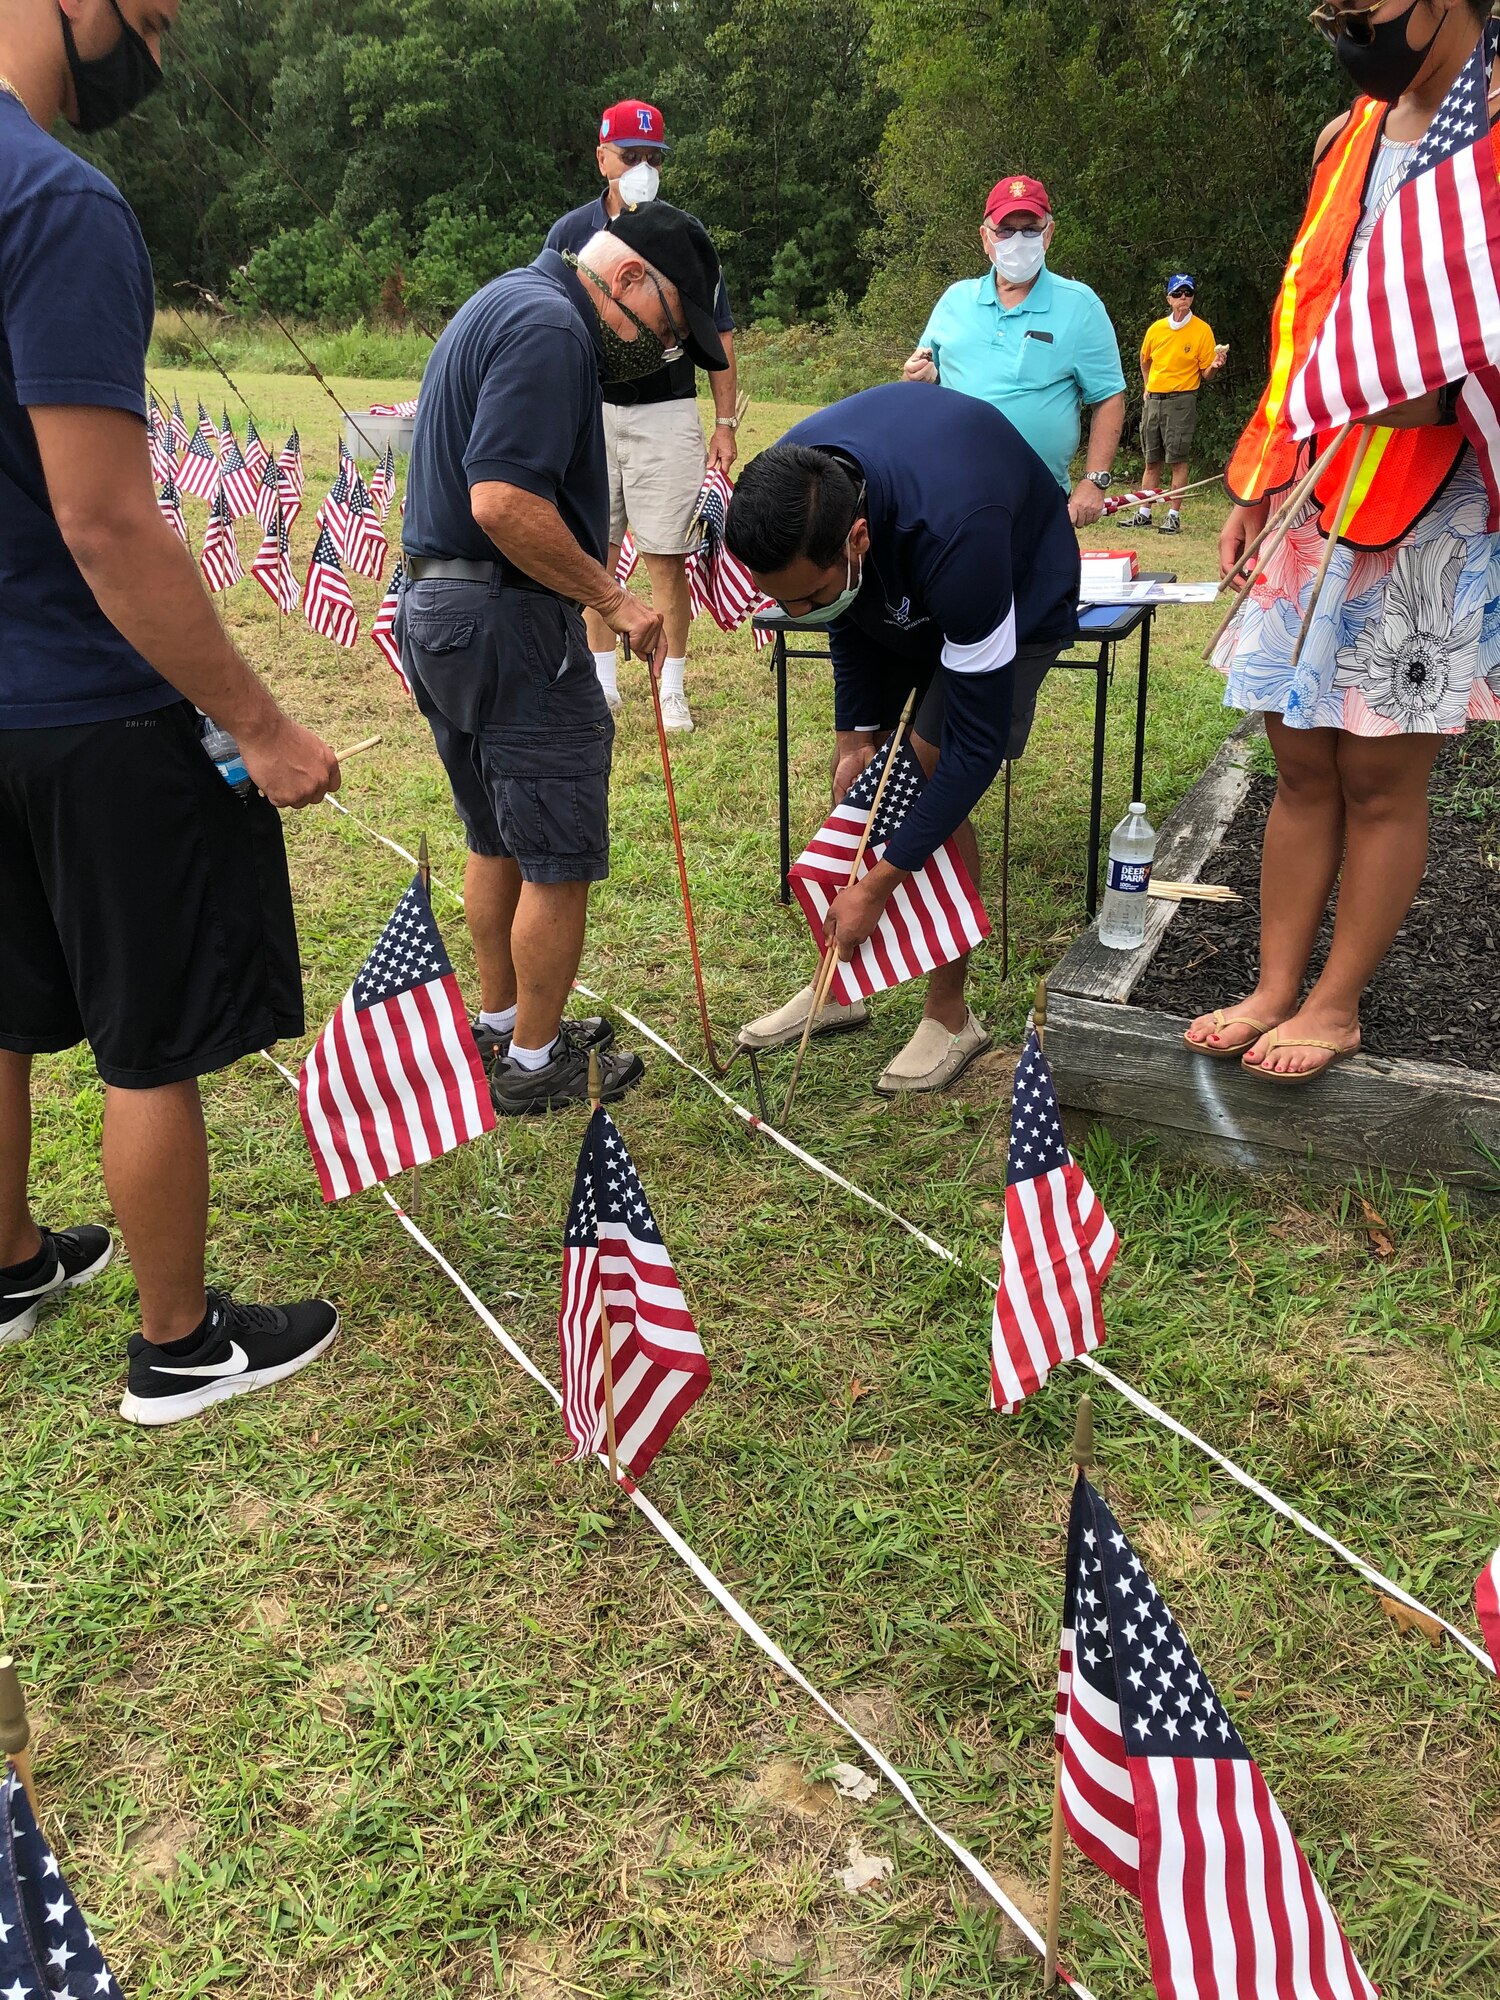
x=1132 y=846
x=225 y=752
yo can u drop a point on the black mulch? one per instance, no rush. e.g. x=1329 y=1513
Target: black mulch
x=1437 y=996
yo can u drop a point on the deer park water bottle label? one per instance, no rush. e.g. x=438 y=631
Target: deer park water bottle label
x=1130 y=877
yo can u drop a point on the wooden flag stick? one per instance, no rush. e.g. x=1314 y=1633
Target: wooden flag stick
x=830 y=959
x=1336 y=529
x=15 y=1731
x=1083 y=1458
x=357 y=749
x=606 y=1343
x=424 y=876
x=1039 y=1013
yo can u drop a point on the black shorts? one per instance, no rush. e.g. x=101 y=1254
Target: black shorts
x=507 y=684
x=144 y=907
x=892 y=678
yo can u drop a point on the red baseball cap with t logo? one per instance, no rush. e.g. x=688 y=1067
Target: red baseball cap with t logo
x=1015 y=193
x=633 y=123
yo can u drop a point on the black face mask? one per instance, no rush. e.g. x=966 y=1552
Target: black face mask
x=109 y=87
x=1387 y=64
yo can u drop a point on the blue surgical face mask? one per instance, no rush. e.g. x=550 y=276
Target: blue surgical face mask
x=824 y=614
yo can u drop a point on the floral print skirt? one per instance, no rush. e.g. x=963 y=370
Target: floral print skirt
x=1406 y=642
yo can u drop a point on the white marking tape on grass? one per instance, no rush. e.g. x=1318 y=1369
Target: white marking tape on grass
x=720 y=1591
x=1132 y=1396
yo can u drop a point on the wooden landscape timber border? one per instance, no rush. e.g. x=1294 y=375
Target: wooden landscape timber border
x=1128 y=1068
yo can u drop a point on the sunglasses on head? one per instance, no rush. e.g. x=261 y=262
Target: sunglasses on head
x=1355 y=24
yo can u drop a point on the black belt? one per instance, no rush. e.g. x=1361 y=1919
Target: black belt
x=457 y=567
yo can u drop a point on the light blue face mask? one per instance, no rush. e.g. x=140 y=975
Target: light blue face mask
x=824 y=614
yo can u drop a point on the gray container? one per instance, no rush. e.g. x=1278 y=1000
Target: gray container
x=366 y=436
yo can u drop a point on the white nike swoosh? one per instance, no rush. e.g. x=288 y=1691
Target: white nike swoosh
x=237 y=1364
x=59 y=1277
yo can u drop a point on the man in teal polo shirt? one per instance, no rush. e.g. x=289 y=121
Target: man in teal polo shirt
x=1039 y=347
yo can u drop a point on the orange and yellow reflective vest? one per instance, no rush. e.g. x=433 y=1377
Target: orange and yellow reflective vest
x=1403 y=470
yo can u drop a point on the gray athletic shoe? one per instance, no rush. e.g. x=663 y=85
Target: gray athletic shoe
x=564 y=1079
x=596 y=1031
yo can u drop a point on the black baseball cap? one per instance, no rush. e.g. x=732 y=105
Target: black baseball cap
x=676 y=244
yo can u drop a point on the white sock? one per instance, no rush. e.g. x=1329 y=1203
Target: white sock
x=606 y=668
x=672 y=672
x=532 y=1058
x=502 y=1023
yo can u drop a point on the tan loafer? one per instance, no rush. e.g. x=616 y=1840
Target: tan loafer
x=934 y=1057
x=783 y=1027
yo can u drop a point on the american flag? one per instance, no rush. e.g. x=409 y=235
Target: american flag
x=365 y=545
x=626 y=560
x=198 y=471
x=1421 y=307
x=179 y=431
x=157 y=431
x=1056 y=1246
x=395 y=1079
x=718 y=582
x=326 y=602
x=1159 y=1790
x=333 y=512
x=613 y=1250
x=256 y=455
x=169 y=500
x=383 y=631
x=207 y=425
x=1487 y=1605
x=406 y=409
x=274 y=496
x=220 y=560
x=290 y=462
x=383 y=483
x=240 y=484
x=47 y=1951
x=272 y=569
x=931 y=919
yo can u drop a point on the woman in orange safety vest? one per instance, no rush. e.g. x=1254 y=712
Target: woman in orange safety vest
x=1404 y=647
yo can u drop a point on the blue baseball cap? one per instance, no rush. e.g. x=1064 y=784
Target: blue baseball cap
x=1180 y=282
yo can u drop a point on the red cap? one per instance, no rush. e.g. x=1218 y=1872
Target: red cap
x=633 y=123
x=1016 y=191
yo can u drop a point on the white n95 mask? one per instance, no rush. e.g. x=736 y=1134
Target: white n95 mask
x=1019 y=258
x=639 y=184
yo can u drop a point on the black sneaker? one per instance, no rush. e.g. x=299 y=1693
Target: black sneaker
x=241 y=1348
x=1171 y=526
x=1141 y=518
x=597 y=1034
x=564 y=1079
x=67 y=1257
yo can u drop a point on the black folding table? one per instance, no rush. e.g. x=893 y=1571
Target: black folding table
x=1099 y=625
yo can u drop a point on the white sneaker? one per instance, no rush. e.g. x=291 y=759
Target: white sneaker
x=676 y=716
x=784 y=1025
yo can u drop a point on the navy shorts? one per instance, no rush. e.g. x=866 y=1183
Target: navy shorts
x=507 y=683
x=144 y=907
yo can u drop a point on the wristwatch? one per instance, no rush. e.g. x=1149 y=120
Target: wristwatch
x=1103 y=480
x=728 y=423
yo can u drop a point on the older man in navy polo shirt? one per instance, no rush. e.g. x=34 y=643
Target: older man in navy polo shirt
x=507 y=518
x=936 y=546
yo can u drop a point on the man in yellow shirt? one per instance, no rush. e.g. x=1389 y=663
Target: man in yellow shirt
x=1177 y=357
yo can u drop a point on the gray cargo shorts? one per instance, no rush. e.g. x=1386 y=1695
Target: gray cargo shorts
x=506 y=681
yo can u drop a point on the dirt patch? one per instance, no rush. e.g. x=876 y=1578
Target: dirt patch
x=781 y=1787
x=538 y=1970
x=157 y=1849
x=875 y=1713
x=1437 y=993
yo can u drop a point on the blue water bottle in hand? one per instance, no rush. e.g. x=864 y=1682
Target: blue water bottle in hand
x=225 y=752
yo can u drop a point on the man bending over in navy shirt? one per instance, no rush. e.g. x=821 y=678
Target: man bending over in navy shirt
x=936 y=546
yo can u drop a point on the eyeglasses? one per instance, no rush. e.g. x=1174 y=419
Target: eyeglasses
x=677 y=333
x=637 y=156
x=1355 y=24
x=1004 y=235
x=1179 y=295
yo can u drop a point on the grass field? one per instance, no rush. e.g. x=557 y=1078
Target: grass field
x=353 y=1690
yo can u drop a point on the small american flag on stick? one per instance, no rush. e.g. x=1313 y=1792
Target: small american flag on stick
x=395 y=1079
x=383 y=483
x=615 y=1263
x=256 y=455
x=1487 y=1605
x=157 y=434
x=1056 y=1247
x=169 y=500
x=179 y=433
x=718 y=582
x=1158 y=1789
x=274 y=498
x=199 y=470
x=326 y=602
x=240 y=483
x=626 y=560
x=931 y=919
x=333 y=513
x=383 y=631
x=47 y=1951
x=272 y=568
x=365 y=545
x=290 y=462
x=220 y=560
x=1421 y=306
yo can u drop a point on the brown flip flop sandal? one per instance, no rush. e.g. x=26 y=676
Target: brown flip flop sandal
x=1221 y=1022
x=1340 y=1051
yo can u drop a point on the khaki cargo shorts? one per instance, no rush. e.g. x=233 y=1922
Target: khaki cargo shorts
x=656 y=467
x=1167 y=426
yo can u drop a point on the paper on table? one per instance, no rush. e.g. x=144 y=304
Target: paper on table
x=1145 y=592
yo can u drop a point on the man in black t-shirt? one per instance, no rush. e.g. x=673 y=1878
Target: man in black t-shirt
x=505 y=535
x=652 y=433
x=144 y=907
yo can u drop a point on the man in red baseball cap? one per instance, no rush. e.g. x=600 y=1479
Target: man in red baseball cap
x=652 y=433
x=1039 y=347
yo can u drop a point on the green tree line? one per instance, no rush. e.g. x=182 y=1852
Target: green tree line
x=839 y=150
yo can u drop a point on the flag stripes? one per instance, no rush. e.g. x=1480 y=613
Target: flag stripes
x=1487 y=1606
